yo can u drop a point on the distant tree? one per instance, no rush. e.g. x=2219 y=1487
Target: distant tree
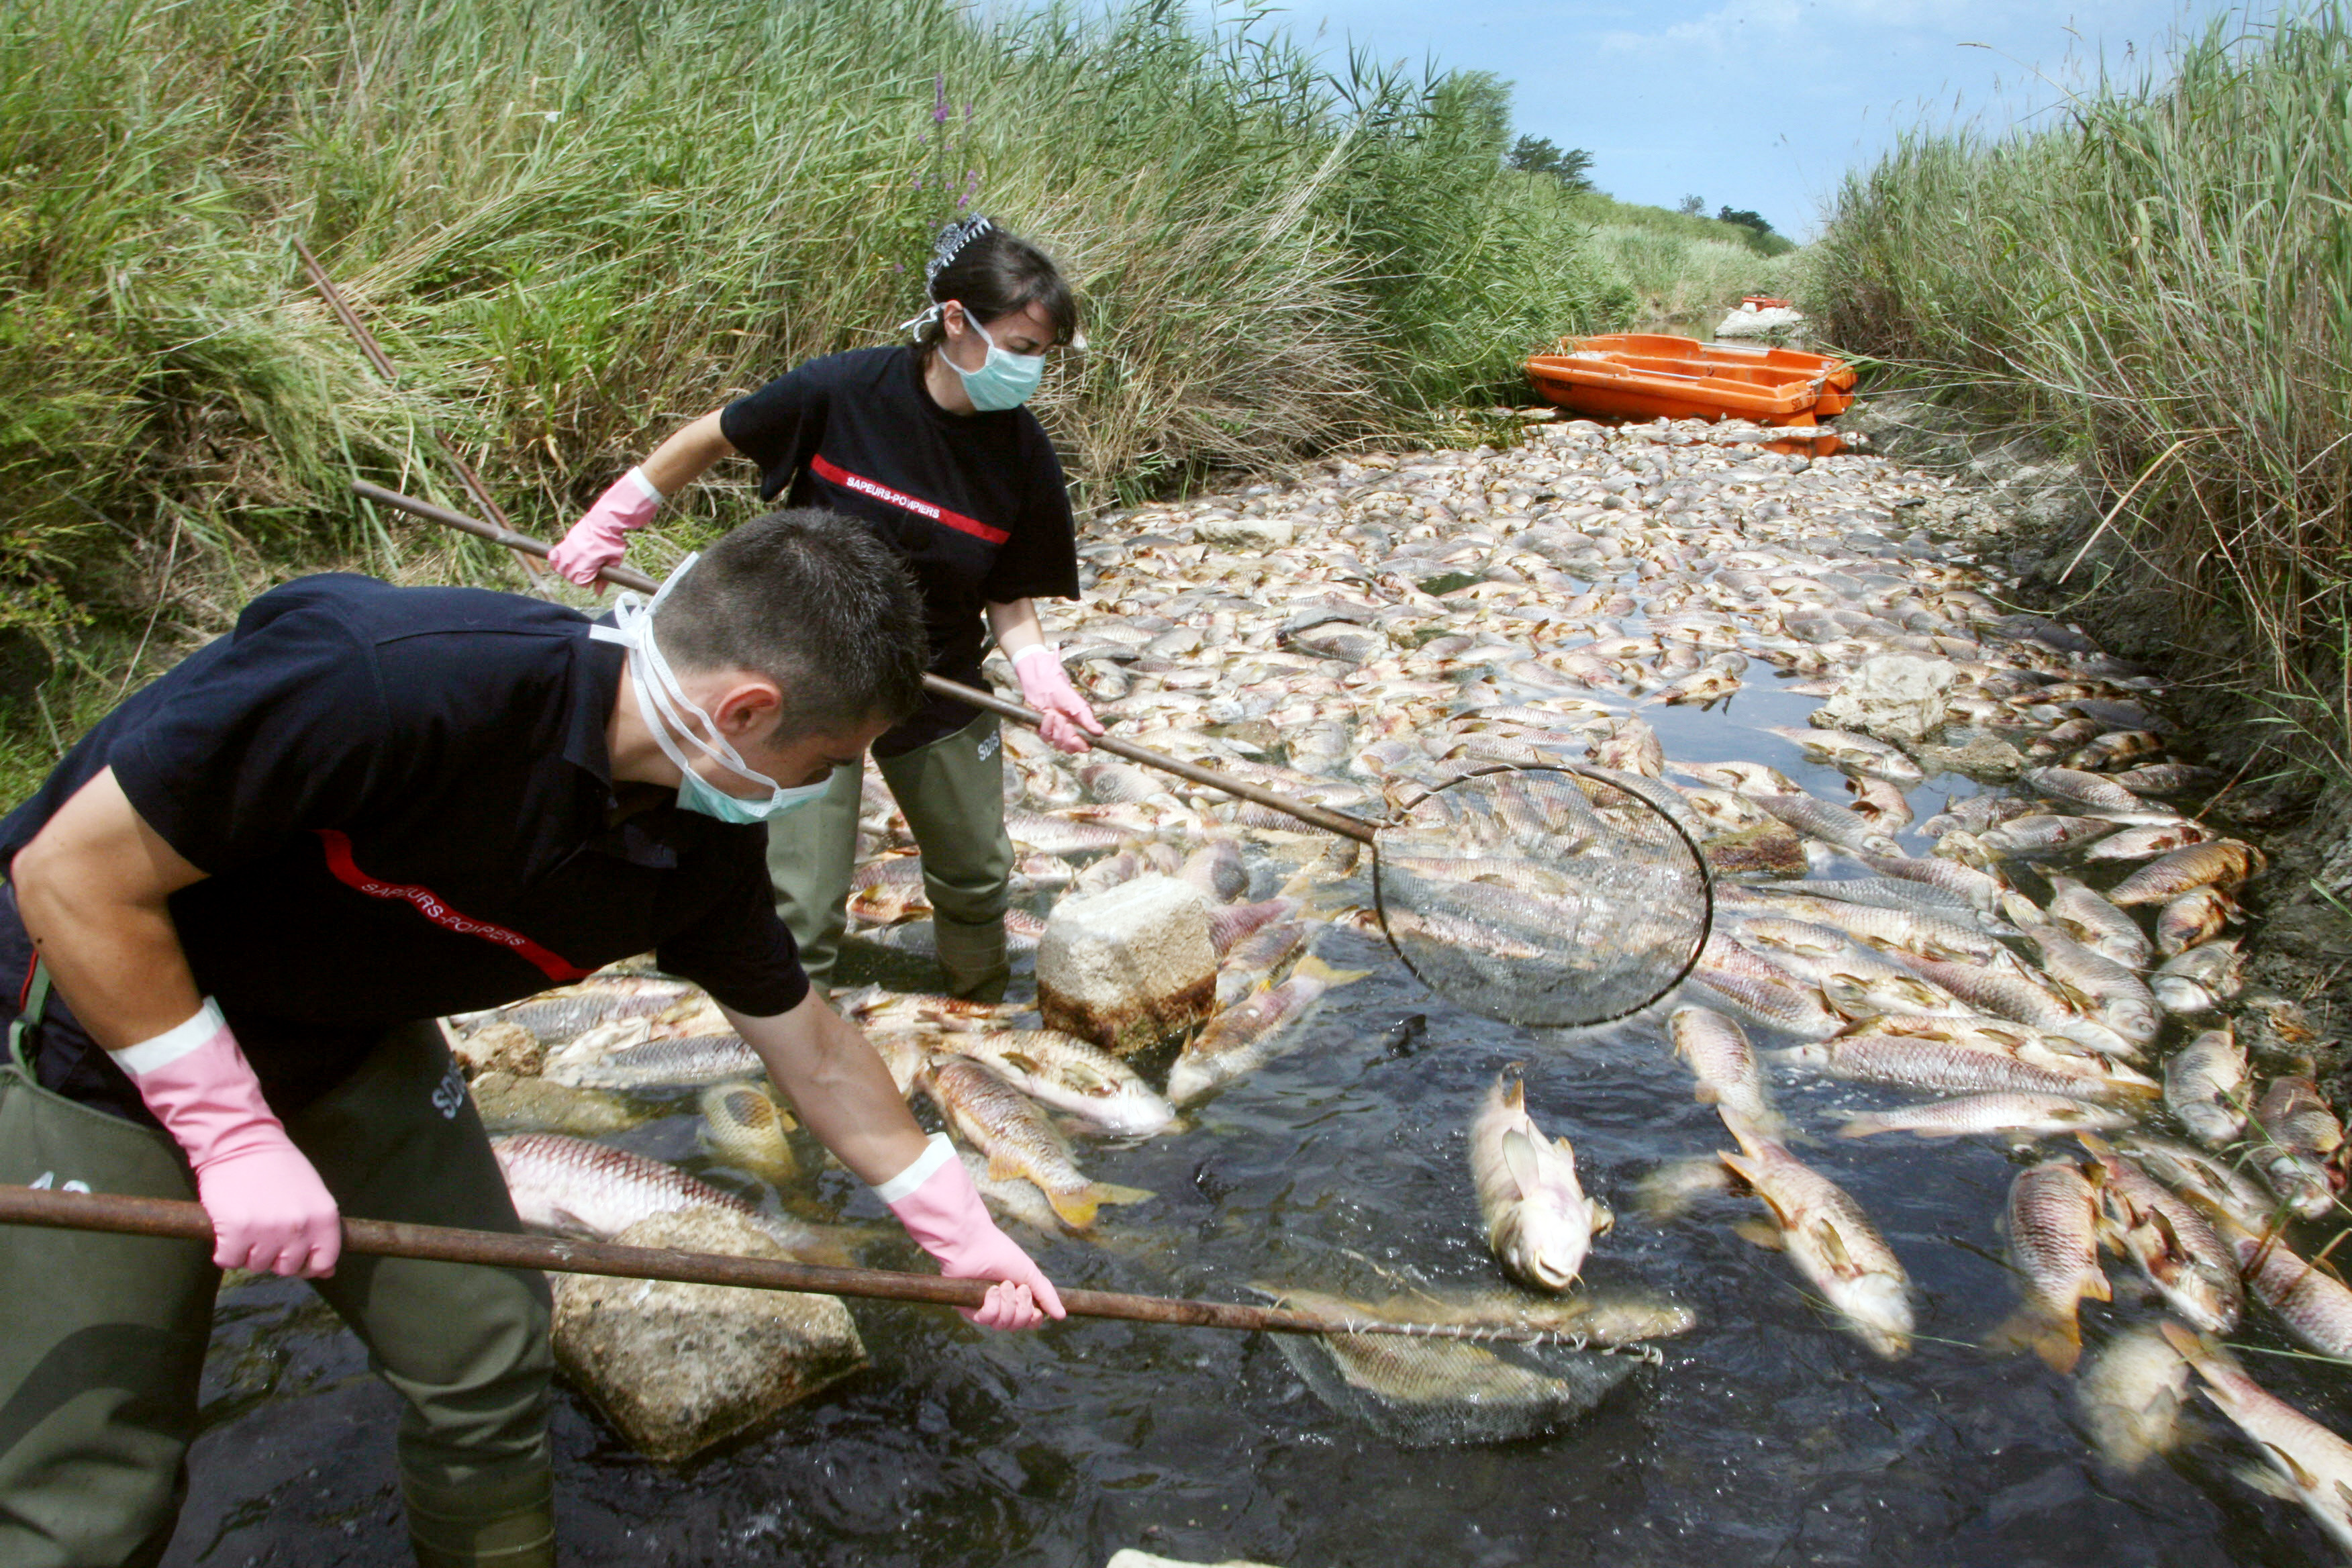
x=1745 y=219
x=1539 y=156
x=1696 y=207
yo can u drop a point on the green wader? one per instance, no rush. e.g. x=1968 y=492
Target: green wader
x=105 y=1339
x=952 y=792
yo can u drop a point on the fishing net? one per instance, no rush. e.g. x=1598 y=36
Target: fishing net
x=1551 y=895
x=1452 y=1384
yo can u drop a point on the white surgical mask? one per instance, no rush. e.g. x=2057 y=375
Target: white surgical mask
x=669 y=716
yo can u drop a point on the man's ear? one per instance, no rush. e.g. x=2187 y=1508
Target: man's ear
x=749 y=708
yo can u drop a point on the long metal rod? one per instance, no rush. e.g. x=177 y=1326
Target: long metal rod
x=177 y=1220
x=622 y=576
x=467 y=477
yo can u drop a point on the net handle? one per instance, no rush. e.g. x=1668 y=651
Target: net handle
x=179 y=1220
x=1629 y=784
x=623 y=576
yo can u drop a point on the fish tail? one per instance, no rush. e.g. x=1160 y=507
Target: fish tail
x=1077 y=1208
x=1314 y=968
x=1111 y=1193
x=2055 y=1337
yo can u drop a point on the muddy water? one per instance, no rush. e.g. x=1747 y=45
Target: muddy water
x=1768 y=1436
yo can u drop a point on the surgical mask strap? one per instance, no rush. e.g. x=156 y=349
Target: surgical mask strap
x=659 y=696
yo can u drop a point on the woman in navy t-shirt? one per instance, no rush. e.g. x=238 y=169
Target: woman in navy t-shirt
x=929 y=446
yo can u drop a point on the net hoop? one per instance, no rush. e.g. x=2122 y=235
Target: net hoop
x=1629 y=785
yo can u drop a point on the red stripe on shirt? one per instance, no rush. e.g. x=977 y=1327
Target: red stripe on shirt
x=429 y=904
x=834 y=473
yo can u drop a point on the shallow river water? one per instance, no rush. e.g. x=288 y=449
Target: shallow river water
x=1768 y=1436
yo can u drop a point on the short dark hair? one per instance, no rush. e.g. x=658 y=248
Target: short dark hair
x=995 y=272
x=815 y=602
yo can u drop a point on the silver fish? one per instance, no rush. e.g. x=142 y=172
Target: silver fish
x=573 y=1187
x=2205 y=1085
x=1539 y=1224
x=2314 y=1465
x=2053 y=1239
x=1725 y=1065
x=1831 y=1240
x=2014 y=1115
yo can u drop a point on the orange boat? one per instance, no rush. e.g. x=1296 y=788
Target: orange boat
x=1648 y=376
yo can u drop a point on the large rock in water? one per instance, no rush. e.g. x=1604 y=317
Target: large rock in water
x=1130 y=967
x=1894 y=696
x=679 y=1367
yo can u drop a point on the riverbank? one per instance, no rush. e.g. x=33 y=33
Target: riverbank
x=2041 y=517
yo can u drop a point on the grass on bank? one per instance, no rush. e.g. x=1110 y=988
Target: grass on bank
x=574 y=225
x=2162 y=279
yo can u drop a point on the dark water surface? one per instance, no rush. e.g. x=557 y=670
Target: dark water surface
x=1769 y=1436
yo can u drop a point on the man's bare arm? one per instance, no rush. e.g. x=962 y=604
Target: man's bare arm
x=92 y=889
x=838 y=1087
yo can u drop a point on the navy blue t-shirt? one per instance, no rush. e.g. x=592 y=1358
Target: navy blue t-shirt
x=404 y=803
x=973 y=503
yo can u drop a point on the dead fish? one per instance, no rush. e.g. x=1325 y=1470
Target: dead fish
x=992 y=1118
x=1980 y=891
x=2116 y=747
x=2141 y=843
x=2312 y=1464
x=1403 y=1371
x=746 y=1128
x=2101 y=1075
x=2298 y=1133
x=2099 y=794
x=1070 y=1074
x=1229 y=923
x=2223 y=863
x=1607 y=1318
x=1630 y=746
x=1858 y=754
x=2052 y=1238
x=2097 y=923
x=1059 y=835
x=2105 y=989
x=2130 y=1394
x=2015 y=995
x=561 y=1015
x=2169 y=1240
x=2198 y=979
x=2165 y=778
x=1748 y=986
x=657 y=1064
x=2311 y=1302
x=1725 y=1065
x=1539 y=1224
x=2196 y=916
x=572 y=1188
x=1247 y=1036
x=1831 y=1240
x=2205 y=1086
x=2035 y=836
x=1830 y=824
x=2014 y=1115
x=1946 y=1067
x=1252 y=960
x=1216 y=868
x=1880 y=803
x=2214 y=1183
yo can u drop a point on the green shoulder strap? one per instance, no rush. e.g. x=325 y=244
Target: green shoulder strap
x=36 y=1002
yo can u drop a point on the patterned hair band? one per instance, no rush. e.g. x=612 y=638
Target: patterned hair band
x=952 y=239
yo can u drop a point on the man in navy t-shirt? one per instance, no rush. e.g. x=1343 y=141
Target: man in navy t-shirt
x=236 y=909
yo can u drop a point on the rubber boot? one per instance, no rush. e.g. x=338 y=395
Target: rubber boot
x=508 y=1520
x=973 y=958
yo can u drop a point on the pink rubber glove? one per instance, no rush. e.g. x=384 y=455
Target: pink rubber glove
x=269 y=1210
x=934 y=1198
x=1046 y=687
x=595 y=542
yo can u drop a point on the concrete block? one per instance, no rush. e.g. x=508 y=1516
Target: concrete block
x=676 y=1368
x=1895 y=697
x=1128 y=968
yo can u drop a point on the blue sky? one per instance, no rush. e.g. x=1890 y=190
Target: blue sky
x=1761 y=104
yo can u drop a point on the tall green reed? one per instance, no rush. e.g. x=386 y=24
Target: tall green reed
x=2163 y=278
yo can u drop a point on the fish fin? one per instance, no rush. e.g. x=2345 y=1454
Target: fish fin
x=1602 y=1219
x=1833 y=1249
x=2294 y=1468
x=1762 y=1233
x=1706 y=1093
x=1314 y=968
x=1001 y=1169
x=1024 y=1061
x=2096 y=1288
x=1110 y=1193
x=2099 y=1147
x=2268 y=1482
x=1525 y=1164
x=2190 y=1344
x=1868 y=1124
x=1076 y=1210
x=2055 y=1337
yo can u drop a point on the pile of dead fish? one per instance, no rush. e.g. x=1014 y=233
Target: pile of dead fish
x=2059 y=963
